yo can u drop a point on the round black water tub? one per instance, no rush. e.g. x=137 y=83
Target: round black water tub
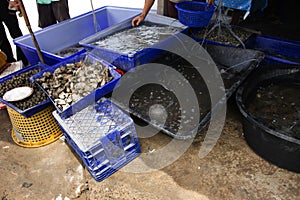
x=270 y=106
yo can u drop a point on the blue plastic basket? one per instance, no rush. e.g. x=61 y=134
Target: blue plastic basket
x=195 y=14
x=91 y=97
x=103 y=136
x=34 y=109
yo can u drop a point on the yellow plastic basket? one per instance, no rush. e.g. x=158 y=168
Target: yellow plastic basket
x=35 y=131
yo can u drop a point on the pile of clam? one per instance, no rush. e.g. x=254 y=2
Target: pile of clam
x=69 y=83
x=224 y=36
x=20 y=80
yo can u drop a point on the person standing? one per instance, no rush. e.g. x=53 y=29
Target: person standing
x=172 y=11
x=52 y=11
x=9 y=18
x=136 y=21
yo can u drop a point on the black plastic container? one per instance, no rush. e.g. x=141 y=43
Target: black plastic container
x=233 y=64
x=274 y=145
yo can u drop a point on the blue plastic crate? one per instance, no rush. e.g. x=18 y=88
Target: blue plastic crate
x=68 y=33
x=35 y=109
x=91 y=97
x=276 y=49
x=193 y=31
x=103 y=136
x=195 y=14
x=128 y=61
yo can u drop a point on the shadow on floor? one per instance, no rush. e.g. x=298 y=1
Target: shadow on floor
x=5 y=128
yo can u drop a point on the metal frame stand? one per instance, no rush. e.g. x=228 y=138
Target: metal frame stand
x=219 y=23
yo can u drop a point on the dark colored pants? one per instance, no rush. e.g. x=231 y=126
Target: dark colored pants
x=10 y=19
x=172 y=11
x=52 y=13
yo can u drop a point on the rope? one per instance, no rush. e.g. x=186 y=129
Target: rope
x=96 y=24
x=219 y=23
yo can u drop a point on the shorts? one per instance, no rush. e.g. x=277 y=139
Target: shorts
x=52 y=13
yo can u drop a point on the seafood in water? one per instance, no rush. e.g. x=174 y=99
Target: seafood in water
x=134 y=39
x=276 y=105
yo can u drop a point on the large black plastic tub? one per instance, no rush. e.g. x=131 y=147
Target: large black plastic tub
x=233 y=64
x=274 y=145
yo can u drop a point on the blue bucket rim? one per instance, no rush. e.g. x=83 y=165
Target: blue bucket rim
x=211 y=7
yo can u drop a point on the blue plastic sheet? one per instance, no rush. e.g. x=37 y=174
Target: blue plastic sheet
x=236 y=4
x=259 y=5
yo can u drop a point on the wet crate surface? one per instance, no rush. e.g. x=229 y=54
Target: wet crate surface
x=93 y=95
x=151 y=99
x=68 y=33
x=103 y=136
x=28 y=111
x=128 y=60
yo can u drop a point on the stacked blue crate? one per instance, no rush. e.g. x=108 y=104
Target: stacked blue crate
x=103 y=136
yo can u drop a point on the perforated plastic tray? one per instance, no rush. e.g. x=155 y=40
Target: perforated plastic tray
x=103 y=136
x=234 y=65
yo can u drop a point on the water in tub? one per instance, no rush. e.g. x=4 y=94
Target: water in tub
x=133 y=39
x=277 y=106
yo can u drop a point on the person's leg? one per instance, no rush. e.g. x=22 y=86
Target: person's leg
x=172 y=11
x=60 y=10
x=46 y=16
x=12 y=24
x=5 y=45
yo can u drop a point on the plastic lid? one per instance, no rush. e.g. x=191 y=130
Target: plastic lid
x=18 y=94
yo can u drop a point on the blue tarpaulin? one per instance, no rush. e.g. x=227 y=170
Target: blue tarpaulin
x=236 y=4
